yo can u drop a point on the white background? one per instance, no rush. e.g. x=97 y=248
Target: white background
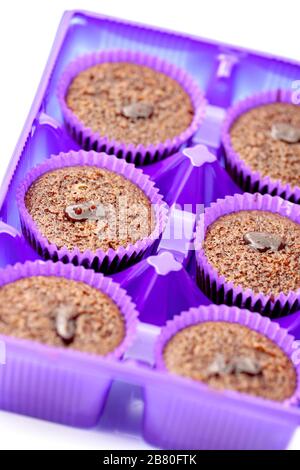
x=27 y=29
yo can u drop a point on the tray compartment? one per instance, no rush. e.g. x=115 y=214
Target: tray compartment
x=83 y=391
x=47 y=384
x=207 y=421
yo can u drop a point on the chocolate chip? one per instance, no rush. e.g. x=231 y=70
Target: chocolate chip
x=237 y=365
x=263 y=241
x=137 y=110
x=246 y=365
x=219 y=366
x=65 y=322
x=285 y=132
x=85 y=211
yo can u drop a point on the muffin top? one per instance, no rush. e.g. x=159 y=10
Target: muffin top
x=89 y=208
x=231 y=356
x=267 y=138
x=130 y=103
x=61 y=312
x=259 y=250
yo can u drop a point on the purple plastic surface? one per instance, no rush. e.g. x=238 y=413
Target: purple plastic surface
x=129 y=395
x=191 y=178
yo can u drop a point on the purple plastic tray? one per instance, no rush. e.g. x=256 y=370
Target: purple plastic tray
x=129 y=395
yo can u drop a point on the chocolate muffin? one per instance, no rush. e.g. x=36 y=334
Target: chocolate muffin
x=61 y=312
x=256 y=249
x=89 y=208
x=130 y=103
x=231 y=356
x=267 y=139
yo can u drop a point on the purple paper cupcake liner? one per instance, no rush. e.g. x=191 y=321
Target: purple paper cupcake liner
x=215 y=286
x=127 y=308
x=249 y=180
x=139 y=154
x=254 y=321
x=111 y=260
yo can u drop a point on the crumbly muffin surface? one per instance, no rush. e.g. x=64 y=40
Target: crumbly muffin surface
x=231 y=356
x=253 y=137
x=130 y=103
x=269 y=271
x=60 y=312
x=125 y=215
